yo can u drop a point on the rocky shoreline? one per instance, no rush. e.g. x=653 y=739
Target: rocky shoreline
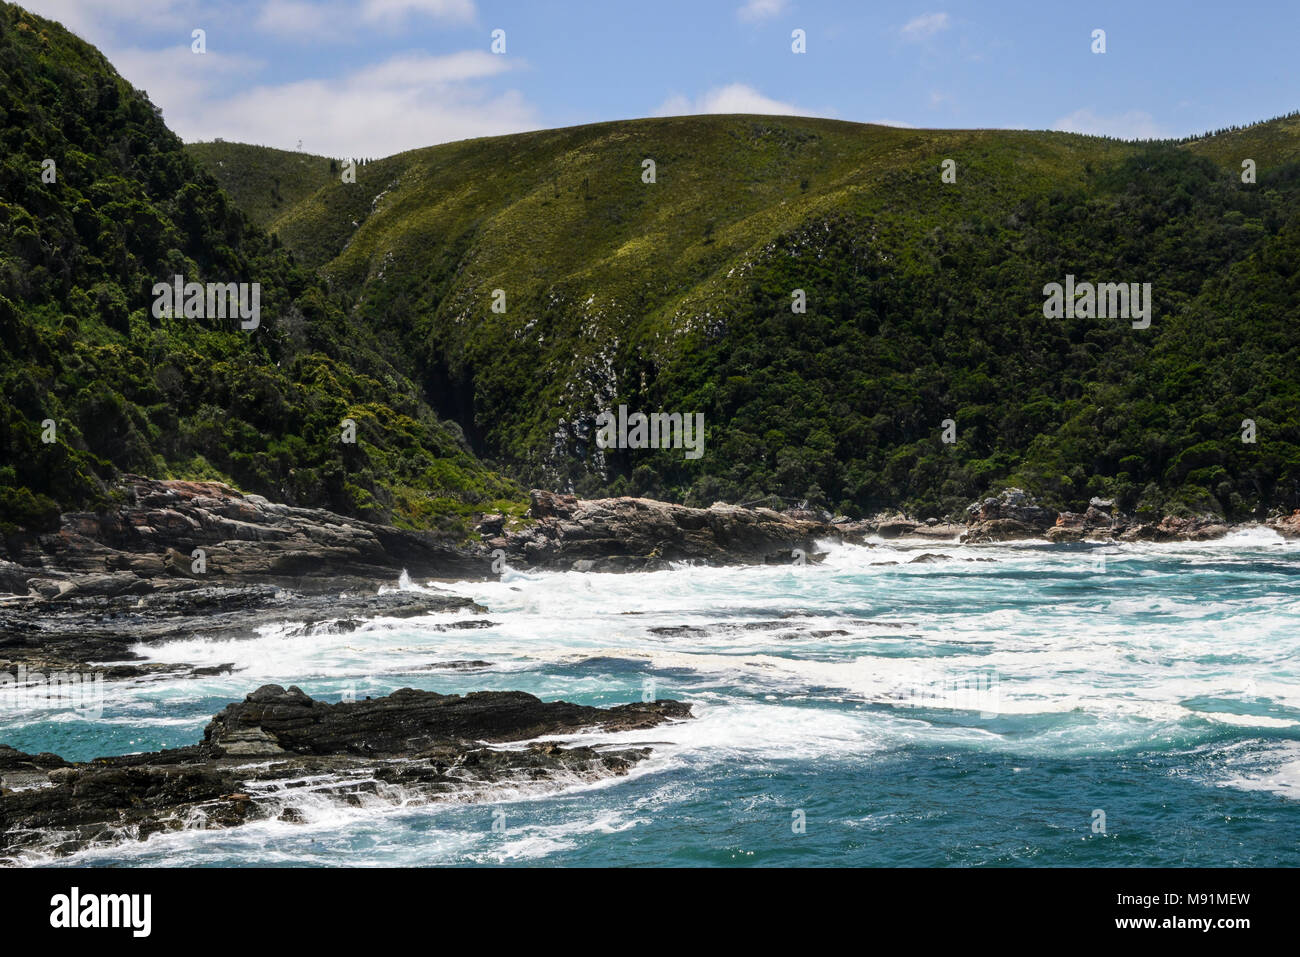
x=50 y=637
x=1014 y=515
x=79 y=598
x=263 y=757
x=182 y=539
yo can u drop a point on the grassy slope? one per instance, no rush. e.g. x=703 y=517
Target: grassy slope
x=750 y=177
x=1273 y=143
x=612 y=282
x=265 y=182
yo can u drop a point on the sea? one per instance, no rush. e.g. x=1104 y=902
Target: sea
x=919 y=703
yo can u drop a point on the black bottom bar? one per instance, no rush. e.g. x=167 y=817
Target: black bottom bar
x=343 y=907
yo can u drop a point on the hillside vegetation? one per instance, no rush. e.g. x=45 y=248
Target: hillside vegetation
x=265 y=183
x=924 y=304
x=93 y=383
x=924 y=311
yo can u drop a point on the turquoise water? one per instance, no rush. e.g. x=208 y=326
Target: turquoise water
x=978 y=710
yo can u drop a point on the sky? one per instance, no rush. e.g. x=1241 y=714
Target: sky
x=375 y=77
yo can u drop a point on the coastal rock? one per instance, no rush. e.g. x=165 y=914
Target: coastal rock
x=146 y=547
x=545 y=504
x=1069 y=527
x=491 y=525
x=895 y=526
x=1288 y=526
x=15 y=578
x=808 y=515
x=1012 y=514
x=1011 y=504
x=151 y=538
x=96 y=635
x=937 y=530
x=1172 y=528
x=409 y=747
x=410 y=720
x=1096 y=522
x=1000 y=530
x=632 y=534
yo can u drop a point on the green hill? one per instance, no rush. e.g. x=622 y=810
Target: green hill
x=924 y=303
x=264 y=182
x=94 y=382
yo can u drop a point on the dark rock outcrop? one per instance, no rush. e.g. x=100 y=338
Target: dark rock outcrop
x=256 y=755
x=409 y=721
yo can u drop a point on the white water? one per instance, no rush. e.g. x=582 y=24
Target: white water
x=1025 y=651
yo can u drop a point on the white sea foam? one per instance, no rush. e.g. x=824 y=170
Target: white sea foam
x=854 y=656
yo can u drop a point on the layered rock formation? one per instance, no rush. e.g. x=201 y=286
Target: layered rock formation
x=149 y=543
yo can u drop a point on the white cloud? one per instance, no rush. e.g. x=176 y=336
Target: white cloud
x=94 y=19
x=926 y=25
x=761 y=9
x=103 y=21
x=302 y=19
x=339 y=19
x=733 y=98
x=425 y=70
x=460 y=11
x=405 y=102
x=898 y=123
x=178 y=80
x=1133 y=125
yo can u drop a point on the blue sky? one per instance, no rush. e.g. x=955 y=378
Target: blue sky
x=373 y=77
